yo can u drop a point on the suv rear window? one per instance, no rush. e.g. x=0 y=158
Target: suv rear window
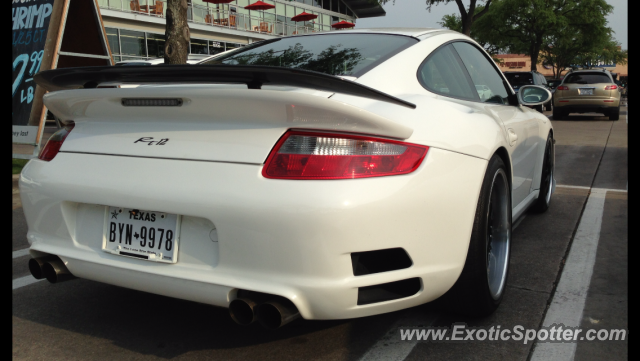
x=587 y=78
x=519 y=79
x=334 y=54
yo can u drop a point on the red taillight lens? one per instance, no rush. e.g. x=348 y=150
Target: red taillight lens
x=54 y=143
x=562 y=87
x=611 y=87
x=309 y=155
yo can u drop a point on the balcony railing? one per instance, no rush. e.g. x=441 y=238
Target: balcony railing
x=211 y=17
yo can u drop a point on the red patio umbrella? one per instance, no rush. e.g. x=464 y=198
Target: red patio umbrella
x=343 y=24
x=218 y=1
x=304 y=17
x=259 y=5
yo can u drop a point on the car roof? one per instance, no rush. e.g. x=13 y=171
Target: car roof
x=414 y=32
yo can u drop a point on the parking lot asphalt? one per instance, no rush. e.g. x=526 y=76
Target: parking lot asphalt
x=86 y=320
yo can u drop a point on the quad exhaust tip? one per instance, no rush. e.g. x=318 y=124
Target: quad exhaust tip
x=271 y=311
x=242 y=311
x=273 y=315
x=50 y=267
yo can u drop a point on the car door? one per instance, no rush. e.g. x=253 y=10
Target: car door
x=520 y=122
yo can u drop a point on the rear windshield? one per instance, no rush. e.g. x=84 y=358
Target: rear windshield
x=334 y=54
x=519 y=79
x=587 y=78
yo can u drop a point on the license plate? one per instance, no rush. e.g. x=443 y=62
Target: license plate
x=585 y=91
x=141 y=234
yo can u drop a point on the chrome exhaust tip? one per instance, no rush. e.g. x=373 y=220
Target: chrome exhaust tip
x=36 y=266
x=55 y=271
x=275 y=314
x=242 y=311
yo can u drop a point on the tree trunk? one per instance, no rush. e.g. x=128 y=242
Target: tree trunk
x=467 y=21
x=176 y=47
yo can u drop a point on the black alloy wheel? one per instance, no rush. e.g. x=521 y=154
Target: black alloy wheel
x=481 y=285
x=546 y=178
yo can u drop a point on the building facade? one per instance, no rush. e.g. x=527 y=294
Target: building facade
x=136 y=28
x=521 y=62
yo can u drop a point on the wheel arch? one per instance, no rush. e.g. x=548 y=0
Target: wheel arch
x=506 y=159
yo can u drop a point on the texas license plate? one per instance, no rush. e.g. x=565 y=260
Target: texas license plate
x=585 y=91
x=141 y=234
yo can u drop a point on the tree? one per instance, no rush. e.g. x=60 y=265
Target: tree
x=563 y=48
x=608 y=53
x=176 y=48
x=522 y=26
x=454 y=22
x=467 y=15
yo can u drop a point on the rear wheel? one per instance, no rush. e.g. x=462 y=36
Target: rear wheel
x=614 y=114
x=538 y=108
x=546 y=179
x=547 y=106
x=480 y=287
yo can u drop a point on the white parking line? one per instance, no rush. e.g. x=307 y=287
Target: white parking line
x=24 y=281
x=598 y=189
x=21 y=253
x=389 y=347
x=571 y=294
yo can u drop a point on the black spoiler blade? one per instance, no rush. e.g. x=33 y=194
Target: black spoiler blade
x=253 y=76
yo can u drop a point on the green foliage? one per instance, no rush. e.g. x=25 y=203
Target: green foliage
x=467 y=16
x=532 y=26
x=18 y=164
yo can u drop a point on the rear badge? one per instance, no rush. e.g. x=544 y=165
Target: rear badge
x=150 y=141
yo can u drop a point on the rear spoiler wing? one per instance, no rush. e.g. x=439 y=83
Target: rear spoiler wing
x=251 y=75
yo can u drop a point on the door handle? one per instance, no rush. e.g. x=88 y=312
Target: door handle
x=513 y=137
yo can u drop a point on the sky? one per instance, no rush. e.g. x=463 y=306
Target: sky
x=413 y=13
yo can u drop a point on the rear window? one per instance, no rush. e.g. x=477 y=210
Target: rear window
x=519 y=79
x=334 y=54
x=587 y=78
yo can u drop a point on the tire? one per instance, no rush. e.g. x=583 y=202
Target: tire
x=481 y=285
x=546 y=178
x=538 y=108
x=558 y=115
x=614 y=114
x=547 y=106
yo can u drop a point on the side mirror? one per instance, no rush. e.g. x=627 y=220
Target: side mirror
x=533 y=95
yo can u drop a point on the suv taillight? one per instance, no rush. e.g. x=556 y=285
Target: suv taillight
x=611 y=87
x=311 y=155
x=55 y=142
x=562 y=87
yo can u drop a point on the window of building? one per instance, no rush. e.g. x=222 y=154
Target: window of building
x=114 y=40
x=216 y=47
x=132 y=43
x=155 y=44
x=335 y=5
x=199 y=46
x=233 y=46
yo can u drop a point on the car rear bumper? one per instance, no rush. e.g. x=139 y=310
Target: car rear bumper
x=573 y=105
x=241 y=231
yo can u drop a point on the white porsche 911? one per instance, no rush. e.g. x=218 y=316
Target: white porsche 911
x=327 y=176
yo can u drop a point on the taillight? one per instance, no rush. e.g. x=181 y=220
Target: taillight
x=611 y=87
x=310 y=155
x=562 y=87
x=55 y=142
